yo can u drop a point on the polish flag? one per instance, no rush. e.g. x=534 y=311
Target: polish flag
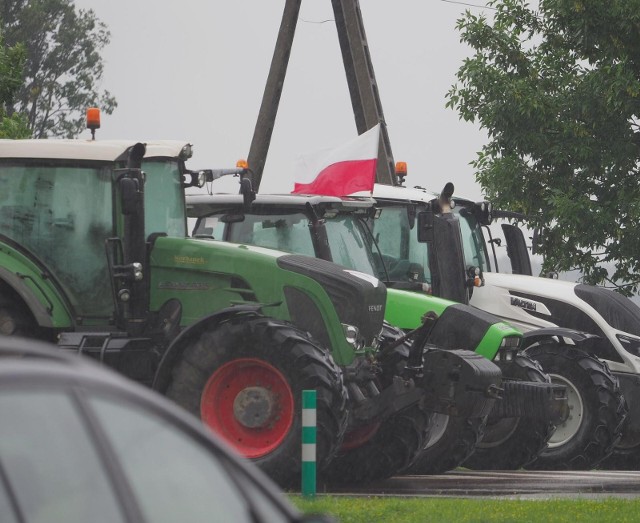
x=344 y=170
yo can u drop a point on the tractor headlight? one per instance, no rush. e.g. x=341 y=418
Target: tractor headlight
x=137 y=271
x=509 y=347
x=352 y=335
x=631 y=345
x=510 y=342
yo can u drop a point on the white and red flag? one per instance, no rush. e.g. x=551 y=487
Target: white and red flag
x=345 y=170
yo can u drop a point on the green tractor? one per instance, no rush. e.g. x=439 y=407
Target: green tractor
x=337 y=229
x=94 y=257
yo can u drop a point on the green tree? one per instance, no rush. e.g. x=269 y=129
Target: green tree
x=558 y=91
x=11 y=63
x=63 y=67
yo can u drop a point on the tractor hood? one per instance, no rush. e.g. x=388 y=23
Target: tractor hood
x=530 y=302
x=312 y=293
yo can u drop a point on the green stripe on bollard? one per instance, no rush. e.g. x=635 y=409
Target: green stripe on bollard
x=308 y=443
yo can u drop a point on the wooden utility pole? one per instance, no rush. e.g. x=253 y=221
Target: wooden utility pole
x=365 y=98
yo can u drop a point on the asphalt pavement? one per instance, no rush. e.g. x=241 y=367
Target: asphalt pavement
x=518 y=484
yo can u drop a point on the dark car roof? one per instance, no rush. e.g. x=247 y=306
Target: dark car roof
x=203 y=204
x=29 y=361
x=25 y=357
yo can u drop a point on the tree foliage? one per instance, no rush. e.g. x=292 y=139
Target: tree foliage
x=558 y=91
x=11 y=63
x=63 y=66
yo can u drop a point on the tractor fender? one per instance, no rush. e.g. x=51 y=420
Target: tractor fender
x=41 y=312
x=176 y=348
x=582 y=340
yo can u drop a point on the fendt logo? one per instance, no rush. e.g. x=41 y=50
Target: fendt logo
x=375 y=308
x=523 y=304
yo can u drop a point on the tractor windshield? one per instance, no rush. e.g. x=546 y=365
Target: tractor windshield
x=347 y=237
x=284 y=232
x=62 y=214
x=405 y=258
x=352 y=246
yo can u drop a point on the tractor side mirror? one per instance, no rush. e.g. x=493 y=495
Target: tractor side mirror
x=248 y=194
x=425 y=226
x=129 y=195
x=536 y=243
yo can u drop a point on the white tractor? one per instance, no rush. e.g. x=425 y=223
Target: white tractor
x=585 y=337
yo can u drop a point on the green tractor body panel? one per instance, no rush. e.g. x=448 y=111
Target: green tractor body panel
x=208 y=276
x=496 y=336
x=405 y=310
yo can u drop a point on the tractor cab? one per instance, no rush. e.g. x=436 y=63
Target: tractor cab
x=60 y=204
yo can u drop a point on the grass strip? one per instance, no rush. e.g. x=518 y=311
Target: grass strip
x=426 y=510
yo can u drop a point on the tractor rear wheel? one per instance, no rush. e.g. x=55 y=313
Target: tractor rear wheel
x=512 y=443
x=245 y=379
x=14 y=321
x=596 y=409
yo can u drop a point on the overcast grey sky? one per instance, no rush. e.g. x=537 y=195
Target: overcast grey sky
x=195 y=70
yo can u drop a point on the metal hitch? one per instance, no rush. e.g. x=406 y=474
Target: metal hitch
x=459 y=383
x=533 y=400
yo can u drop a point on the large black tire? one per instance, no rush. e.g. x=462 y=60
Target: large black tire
x=512 y=443
x=392 y=448
x=622 y=459
x=15 y=320
x=245 y=379
x=392 y=445
x=453 y=440
x=597 y=409
x=626 y=454
x=449 y=441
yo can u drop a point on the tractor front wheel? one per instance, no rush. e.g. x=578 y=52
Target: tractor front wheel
x=625 y=457
x=512 y=443
x=385 y=450
x=245 y=379
x=452 y=441
x=596 y=409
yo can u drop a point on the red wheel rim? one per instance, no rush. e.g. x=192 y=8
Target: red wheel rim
x=248 y=403
x=359 y=436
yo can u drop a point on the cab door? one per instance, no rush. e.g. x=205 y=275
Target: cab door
x=517 y=249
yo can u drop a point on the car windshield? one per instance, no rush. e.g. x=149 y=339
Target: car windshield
x=189 y=483
x=75 y=454
x=50 y=460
